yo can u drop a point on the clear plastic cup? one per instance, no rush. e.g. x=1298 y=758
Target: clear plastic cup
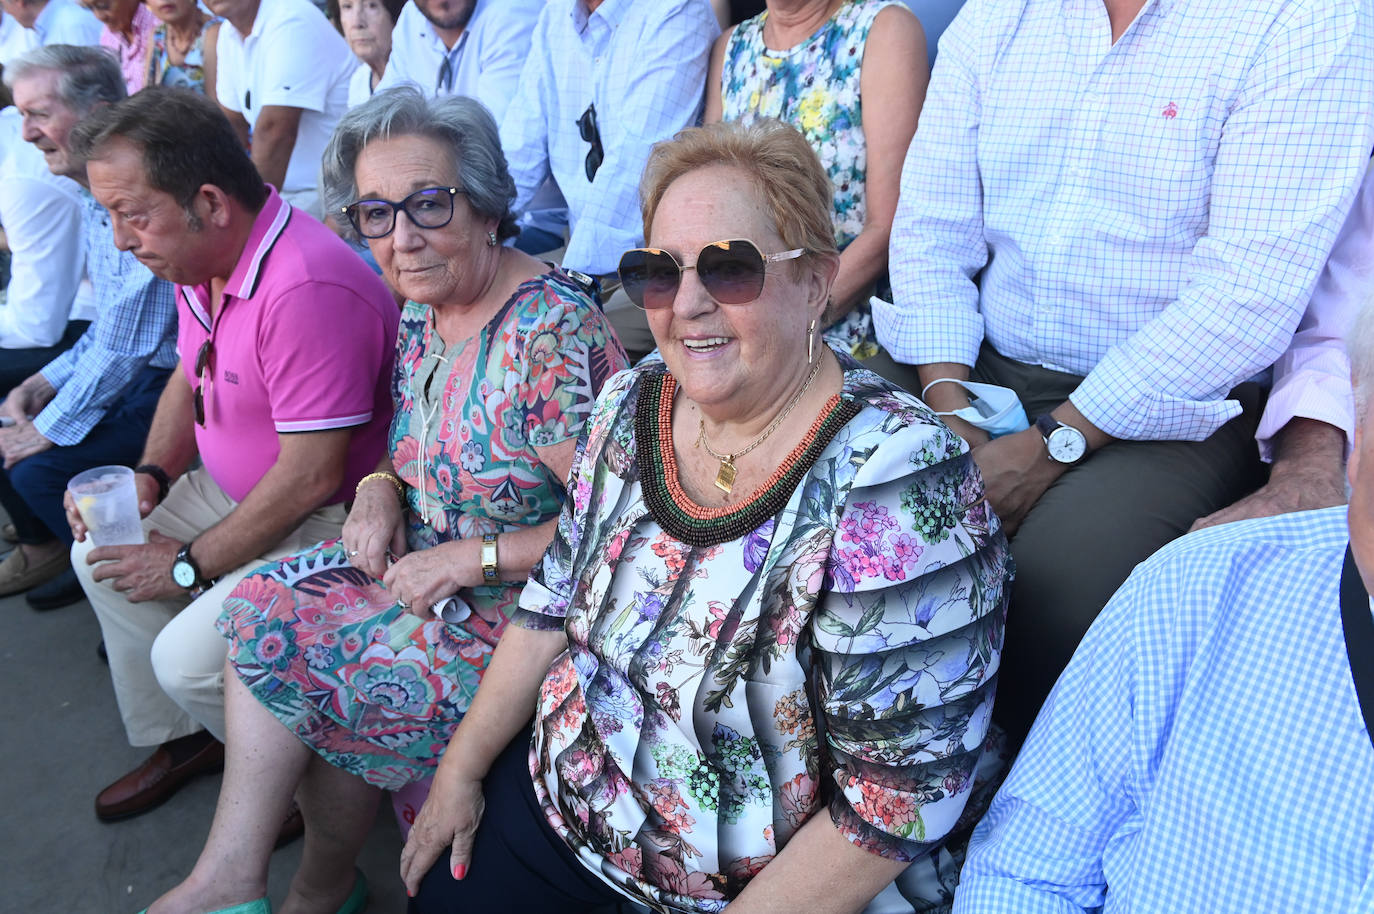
x=108 y=501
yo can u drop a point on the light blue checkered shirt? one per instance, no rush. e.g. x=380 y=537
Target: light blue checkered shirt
x=135 y=326
x=1204 y=750
x=643 y=63
x=1151 y=214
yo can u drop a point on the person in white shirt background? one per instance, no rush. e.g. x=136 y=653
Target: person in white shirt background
x=282 y=78
x=53 y=22
x=41 y=216
x=603 y=81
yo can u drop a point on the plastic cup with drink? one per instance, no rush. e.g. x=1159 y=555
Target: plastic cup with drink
x=108 y=501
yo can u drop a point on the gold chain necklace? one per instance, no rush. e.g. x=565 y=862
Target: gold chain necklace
x=725 y=476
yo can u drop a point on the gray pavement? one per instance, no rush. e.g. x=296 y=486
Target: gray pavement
x=61 y=742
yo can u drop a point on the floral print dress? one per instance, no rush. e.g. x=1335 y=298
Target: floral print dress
x=814 y=86
x=323 y=646
x=187 y=75
x=837 y=659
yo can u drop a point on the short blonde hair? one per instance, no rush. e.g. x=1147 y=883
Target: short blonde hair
x=792 y=183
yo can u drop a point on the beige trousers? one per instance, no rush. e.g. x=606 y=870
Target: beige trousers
x=166 y=656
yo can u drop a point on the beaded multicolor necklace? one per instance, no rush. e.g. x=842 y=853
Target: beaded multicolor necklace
x=725 y=476
x=674 y=509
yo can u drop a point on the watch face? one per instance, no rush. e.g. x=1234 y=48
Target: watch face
x=1067 y=445
x=183 y=574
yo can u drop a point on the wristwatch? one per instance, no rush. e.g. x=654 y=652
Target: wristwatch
x=1066 y=444
x=490 y=573
x=186 y=573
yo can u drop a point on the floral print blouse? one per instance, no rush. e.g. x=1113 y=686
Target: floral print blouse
x=713 y=698
x=814 y=86
x=469 y=416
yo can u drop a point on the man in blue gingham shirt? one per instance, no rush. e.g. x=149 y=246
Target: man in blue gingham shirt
x=93 y=404
x=1208 y=747
x=1204 y=750
x=1119 y=209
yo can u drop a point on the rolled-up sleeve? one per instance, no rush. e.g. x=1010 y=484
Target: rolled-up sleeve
x=906 y=642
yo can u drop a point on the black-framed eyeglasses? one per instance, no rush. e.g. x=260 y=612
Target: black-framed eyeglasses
x=590 y=133
x=429 y=207
x=732 y=272
x=203 y=357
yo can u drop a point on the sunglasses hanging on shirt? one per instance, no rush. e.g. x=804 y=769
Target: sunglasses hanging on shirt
x=590 y=133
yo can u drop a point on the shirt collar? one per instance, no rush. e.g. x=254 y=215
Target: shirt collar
x=267 y=228
x=610 y=12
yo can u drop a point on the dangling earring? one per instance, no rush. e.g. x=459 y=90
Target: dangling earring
x=811 y=341
x=491 y=239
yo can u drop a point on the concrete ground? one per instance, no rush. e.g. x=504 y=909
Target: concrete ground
x=62 y=742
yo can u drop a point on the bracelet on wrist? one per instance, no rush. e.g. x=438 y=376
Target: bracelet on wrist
x=164 y=481
x=389 y=477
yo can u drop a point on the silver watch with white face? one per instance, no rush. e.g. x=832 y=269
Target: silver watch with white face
x=1066 y=444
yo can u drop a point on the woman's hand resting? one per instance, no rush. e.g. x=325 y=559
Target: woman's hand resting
x=375 y=527
x=448 y=820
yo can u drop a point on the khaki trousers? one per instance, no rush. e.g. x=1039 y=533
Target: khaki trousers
x=166 y=656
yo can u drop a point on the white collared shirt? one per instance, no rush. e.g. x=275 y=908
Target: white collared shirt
x=1151 y=214
x=41 y=215
x=67 y=22
x=643 y=64
x=293 y=58
x=484 y=63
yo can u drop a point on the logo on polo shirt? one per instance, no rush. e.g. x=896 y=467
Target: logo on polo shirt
x=231 y=377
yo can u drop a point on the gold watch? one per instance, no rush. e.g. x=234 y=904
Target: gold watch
x=490 y=574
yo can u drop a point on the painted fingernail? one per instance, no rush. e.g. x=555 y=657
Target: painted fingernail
x=460 y=870
x=409 y=893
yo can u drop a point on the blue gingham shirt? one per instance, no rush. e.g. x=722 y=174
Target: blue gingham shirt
x=135 y=327
x=1204 y=750
x=1151 y=215
x=643 y=63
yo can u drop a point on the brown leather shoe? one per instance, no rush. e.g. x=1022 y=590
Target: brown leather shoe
x=155 y=781
x=17 y=575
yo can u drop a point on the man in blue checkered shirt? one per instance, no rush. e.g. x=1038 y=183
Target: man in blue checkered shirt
x=1208 y=747
x=1119 y=210
x=92 y=405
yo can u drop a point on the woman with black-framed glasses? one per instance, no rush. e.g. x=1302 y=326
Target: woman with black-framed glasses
x=761 y=649
x=351 y=663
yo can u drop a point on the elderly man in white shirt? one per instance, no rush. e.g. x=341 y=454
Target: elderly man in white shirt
x=605 y=80
x=41 y=216
x=282 y=78
x=1122 y=224
x=462 y=47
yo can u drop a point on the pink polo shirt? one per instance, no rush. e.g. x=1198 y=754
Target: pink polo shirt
x=303 y=340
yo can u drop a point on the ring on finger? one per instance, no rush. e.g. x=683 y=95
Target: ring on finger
x=403 y=604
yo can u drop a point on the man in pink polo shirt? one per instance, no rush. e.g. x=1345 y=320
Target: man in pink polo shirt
x=286 y=342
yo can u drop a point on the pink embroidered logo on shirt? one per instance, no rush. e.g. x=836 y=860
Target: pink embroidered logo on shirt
x=1170 y=111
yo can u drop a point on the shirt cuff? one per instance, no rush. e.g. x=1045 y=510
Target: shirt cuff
x=928 y=334
x=1306 y=395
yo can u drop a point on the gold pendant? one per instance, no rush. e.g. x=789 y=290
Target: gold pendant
x=725 y=477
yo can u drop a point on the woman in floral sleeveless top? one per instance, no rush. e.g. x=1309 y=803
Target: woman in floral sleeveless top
x=851 y=76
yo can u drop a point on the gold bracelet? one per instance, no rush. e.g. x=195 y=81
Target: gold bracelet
x=389 y=477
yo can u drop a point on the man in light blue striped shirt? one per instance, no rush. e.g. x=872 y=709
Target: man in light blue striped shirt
x=94 y=403
x=1209 y=746
x=1119 y=209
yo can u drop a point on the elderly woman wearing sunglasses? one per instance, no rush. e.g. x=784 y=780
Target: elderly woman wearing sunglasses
x=350 y=664
x=761 y=649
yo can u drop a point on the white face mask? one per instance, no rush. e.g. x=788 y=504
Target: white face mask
x=995 y=410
